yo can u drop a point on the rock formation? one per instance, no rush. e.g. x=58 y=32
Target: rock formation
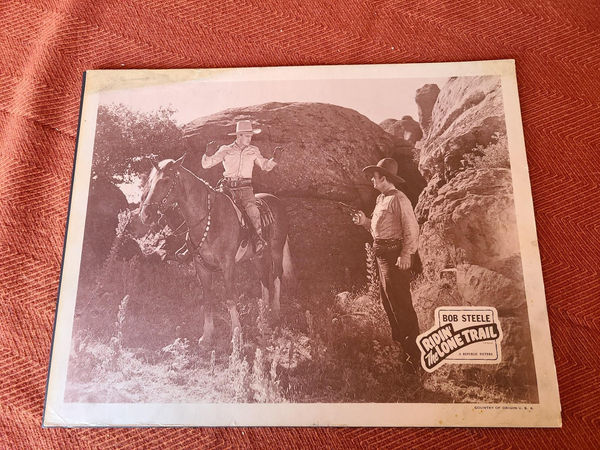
x=105 y=201
x=426 y=98
x=468 y=223
x=468 y=115
x=326 y=147
x=406 y=128
x=475 y=212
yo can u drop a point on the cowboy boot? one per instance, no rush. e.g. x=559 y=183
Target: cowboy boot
x=260 y=243
x=412 y=364
x=254 y=216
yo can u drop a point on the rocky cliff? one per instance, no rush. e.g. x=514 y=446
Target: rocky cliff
x=468 y=222
x=468 y=115
x=425 y=98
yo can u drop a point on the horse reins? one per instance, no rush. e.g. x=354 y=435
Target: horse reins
x=207 y=217
x=161 y=204
x=196 y=247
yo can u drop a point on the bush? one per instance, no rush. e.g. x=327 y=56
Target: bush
x=494 y=155
x=125 y=137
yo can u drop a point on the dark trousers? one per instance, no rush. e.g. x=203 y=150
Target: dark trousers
x=394 y=288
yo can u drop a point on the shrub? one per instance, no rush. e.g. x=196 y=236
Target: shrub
x=178 y=353
x=372 y=272
x=264 y=384
x=491 y=156
x=238 y=369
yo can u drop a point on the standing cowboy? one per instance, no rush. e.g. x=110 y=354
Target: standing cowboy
x=239 y=159
x=395 y=234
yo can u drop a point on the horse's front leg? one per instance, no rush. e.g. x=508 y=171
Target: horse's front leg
x=205 y=277
x=231 y=298
x=269 y=287
x=276 y=275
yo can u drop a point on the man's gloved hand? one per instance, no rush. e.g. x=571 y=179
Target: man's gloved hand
x=211 y=148
x=277 y=153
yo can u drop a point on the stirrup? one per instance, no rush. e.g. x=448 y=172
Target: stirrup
x=259 y=245
x=183 y=255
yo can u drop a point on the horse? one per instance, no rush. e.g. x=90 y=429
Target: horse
x=215 y=236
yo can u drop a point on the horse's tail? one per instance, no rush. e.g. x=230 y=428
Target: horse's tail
x=288 y=266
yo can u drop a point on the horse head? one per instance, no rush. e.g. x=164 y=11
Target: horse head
x=159 y=191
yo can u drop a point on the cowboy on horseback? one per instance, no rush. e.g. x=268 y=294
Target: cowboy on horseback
x=239 y=159
x=215 y=236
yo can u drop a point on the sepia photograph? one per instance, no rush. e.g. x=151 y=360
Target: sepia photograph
x=302 y=237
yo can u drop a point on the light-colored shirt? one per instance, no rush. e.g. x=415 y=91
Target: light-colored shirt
x=393 y=218
x=238 y=163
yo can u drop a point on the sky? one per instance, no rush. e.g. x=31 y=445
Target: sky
x=376 y=99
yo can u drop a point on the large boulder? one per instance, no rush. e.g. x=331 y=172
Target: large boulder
x=328 y=249
x=326 y=148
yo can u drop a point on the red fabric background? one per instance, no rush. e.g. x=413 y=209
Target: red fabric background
x=46 y=45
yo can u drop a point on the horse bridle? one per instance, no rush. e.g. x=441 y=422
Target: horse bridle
x=160 y=204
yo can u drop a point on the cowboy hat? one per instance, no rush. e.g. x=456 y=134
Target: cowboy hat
x=244 y=126
x=387 y=167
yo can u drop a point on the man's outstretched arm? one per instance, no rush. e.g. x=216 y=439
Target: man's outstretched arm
x=210 y=158
x=264 y=163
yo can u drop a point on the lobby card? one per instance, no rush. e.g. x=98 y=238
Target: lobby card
x=300 y=246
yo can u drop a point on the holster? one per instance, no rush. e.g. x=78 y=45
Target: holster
x=387 y=247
